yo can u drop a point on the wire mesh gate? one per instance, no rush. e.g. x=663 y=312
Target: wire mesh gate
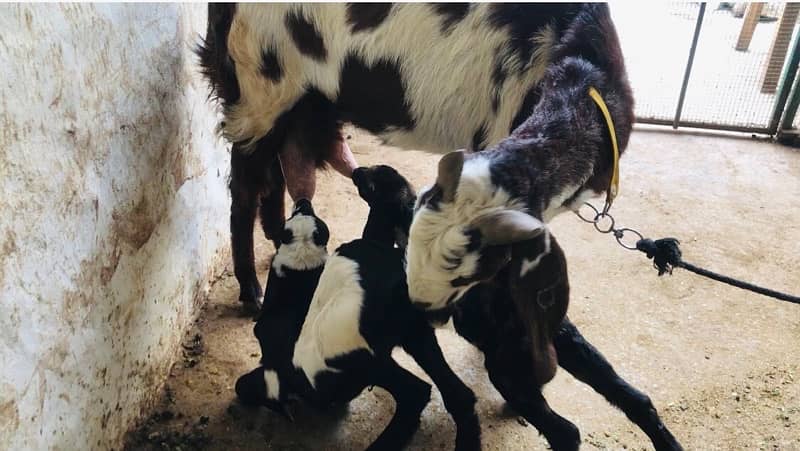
x=719 y=66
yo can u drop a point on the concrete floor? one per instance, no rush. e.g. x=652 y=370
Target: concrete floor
x=721 y=365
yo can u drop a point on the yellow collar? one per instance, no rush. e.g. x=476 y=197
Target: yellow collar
x=613 y=186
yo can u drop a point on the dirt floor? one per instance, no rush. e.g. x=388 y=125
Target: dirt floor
x=721 y=365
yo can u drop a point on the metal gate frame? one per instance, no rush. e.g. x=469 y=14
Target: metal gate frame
x=789 y=82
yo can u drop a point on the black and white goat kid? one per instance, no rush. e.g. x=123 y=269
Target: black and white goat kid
x=517 y=318
x=326 y=334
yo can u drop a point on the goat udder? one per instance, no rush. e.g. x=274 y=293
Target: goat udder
x=342 y=159
x=299 y=169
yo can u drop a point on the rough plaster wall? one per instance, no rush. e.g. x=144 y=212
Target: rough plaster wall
x=113 y=214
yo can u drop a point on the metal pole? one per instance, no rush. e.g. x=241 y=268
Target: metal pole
x=688 y=72
x=783 y=91
x=791 y=107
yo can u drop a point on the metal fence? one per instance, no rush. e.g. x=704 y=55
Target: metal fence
x=716 y=65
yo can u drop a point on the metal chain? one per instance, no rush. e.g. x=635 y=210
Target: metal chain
x=666 y=254
x=604 y=223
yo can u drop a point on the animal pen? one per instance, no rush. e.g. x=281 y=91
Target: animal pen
x=712 y=65
x=120 y=326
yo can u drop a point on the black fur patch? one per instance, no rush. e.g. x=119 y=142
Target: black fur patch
x=215 y=62
x=306 y=36
x=321 y=233
x=526 y=109
x=367 y=16
x=373 y=97
x=479 y=138
x=431 y=198
x=287 y=236
x=579 y=39
x=499 y=75
x=451 y=13
x=474 y=242
x=314 y=125
x=270 y=66
x=524 y=20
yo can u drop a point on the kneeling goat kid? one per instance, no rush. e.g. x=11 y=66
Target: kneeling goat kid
x=328 y=326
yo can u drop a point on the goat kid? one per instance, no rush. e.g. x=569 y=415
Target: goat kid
x=326 y=334
x=517 y=319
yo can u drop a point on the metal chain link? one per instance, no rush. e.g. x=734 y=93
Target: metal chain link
x=666 y=254
x=604 y=223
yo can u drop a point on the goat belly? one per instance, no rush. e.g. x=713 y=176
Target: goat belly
x=344 y=382
x=331 y=327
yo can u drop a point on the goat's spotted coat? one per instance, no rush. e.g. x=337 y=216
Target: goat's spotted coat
x=331 y=328
x=426 y=76
x=466 y=87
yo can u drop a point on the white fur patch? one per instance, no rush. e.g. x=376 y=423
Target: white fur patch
x=530 y=265
x=447 y=77
x=556 y=203
x=438 y=236
x=273 y=384
x=302 y=253
x=331 y=327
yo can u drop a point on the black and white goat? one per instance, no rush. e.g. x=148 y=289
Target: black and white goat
x=326 y=334
x=436 y=77
x=517 y=318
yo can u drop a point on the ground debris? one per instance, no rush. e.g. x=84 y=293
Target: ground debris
x=192 y=348
x=156 y=434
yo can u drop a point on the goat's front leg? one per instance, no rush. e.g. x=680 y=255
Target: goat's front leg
x=587 y=364
x=512 y=374
x=458 y=398
x=411 y=394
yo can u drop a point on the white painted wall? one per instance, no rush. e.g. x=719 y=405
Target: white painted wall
x=113 y=214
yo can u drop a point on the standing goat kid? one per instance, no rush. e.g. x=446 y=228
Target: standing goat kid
x=326 y=334
x=517 y=319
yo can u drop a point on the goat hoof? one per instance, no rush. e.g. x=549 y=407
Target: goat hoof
x=472 y=443
x=251 y=308
x=567 y=439
x=667 y=442
x=250 y=293
x=250 y=297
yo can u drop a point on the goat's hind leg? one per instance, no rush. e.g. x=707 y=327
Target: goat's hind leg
x=516 y=383
x=411 y=394
x=587 y=364
x=458 y=398
x=245 y=186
